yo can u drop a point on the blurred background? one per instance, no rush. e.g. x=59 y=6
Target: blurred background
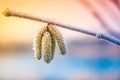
x=87 y=58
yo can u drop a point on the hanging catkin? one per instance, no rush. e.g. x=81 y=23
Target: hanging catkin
x=53 y=46
x=47 y=44
x=38 y=43
x=57 y=35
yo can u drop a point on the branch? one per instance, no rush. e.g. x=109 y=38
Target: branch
x=106 y=37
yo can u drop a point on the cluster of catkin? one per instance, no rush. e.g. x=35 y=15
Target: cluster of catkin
x=45 y=42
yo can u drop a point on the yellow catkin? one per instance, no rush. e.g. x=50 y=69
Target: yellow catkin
x=47 y=44
x=53 y=46
x=56 y=34
x=38 y=43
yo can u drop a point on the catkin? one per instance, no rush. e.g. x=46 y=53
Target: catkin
x=56 y=34
x=47 y=44
x=53 y=46
x=38 y=43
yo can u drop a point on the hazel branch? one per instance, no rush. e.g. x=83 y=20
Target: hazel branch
x=106 y=37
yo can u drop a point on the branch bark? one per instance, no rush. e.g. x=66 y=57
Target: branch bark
x=106 y=37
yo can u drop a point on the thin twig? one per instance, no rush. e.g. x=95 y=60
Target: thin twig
x=106 y=37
